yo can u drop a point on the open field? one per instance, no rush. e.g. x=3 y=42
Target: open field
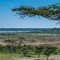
x=20 y=57
x=32 y=38
x=37 y=43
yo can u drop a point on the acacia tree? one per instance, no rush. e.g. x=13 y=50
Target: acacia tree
x=25 y=50
x=21 y=40
x=49 y=50
x=39 y=49
x=10 y=41
x=51 y=11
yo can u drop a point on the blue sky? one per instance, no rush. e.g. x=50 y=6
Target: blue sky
x=9 y=20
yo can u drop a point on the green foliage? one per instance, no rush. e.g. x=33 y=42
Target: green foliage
x=25 y=50
x=39 y=50
x=49 y=50
x=28 y=50
x=21 y=40
x=51 y=11
x=4 y=49
x=58 y=51
x=10 y=41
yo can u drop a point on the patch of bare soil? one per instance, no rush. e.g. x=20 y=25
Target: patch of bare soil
x=56 y=57
x=42 y=43
x=2 y=43
x=36 y=43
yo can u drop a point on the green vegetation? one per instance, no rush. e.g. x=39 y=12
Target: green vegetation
x=51 y=11
x=21 y=39
x=29 y=51
x=4 y=56
x=15 y=48
x=10 y=41
x=32 y=37
x=39 y=50
x=49 y=50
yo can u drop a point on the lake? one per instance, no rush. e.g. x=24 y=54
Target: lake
x=4 y=30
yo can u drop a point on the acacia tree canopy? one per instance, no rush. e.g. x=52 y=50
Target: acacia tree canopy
x=51 y=11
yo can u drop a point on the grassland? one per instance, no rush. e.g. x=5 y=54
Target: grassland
x=7 y=56
x=4 y=56
x=30 y=39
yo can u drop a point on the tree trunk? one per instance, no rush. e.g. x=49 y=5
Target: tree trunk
x=39 y=57
x=47 y=57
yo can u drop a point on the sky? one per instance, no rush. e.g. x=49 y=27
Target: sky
x=9 y=19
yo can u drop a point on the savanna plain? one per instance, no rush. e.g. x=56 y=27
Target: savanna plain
x=29 y=46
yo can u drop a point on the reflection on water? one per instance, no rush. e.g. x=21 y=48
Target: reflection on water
x=12 y=31
x=4 y=30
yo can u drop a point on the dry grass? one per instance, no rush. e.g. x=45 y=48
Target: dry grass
x=36 y=43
